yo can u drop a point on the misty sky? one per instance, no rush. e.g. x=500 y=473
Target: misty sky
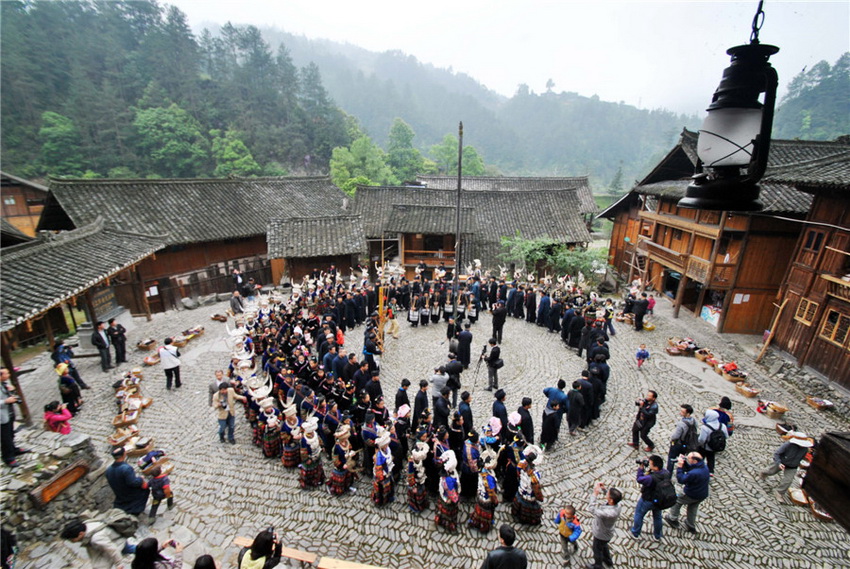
x=649 y=54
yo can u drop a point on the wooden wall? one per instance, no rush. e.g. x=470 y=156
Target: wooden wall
x=22 y=207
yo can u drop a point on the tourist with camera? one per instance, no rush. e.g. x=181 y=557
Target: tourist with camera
x=605 y=508
x=645 y=420
x=692 y=473
x=650 y=473
x=264 y=553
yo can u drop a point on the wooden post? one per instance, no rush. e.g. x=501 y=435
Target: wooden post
x=48 y=329
x=772 y=330
x=90 y=308
x=6 y=355
x=142 y=297
x=680 y=295
x=73 y=318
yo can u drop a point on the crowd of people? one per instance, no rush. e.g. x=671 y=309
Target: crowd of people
x=324 y=412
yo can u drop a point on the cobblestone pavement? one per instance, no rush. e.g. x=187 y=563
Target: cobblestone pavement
x=223 y=491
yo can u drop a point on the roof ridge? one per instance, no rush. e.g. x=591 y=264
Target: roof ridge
x=159 y=181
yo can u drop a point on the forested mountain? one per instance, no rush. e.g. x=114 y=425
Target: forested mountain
x=817 y=105
x=126 y=89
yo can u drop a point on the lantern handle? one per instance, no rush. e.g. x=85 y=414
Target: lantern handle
x=758 y=22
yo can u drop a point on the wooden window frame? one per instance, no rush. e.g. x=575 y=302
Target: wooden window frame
x=806 y=311
x=815 y=240
x=830 y=336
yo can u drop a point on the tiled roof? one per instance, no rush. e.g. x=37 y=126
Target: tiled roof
x=777 y=198
x=41 y=274
x=192 y=210
x=7 y=179
x=315 y=237
x=429 y=219
x=11 y=234
x=827 y=172
x=541 y=213
x=516 y=184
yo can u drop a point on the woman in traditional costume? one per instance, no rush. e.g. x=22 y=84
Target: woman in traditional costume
x=311 y=472
x=487 y=498
x=382 y=480
x=469 y=465
x=344 y=460
x=417 y=493
x=449 y=493
x=268 y=424
x=526 y=507
x=290 y=435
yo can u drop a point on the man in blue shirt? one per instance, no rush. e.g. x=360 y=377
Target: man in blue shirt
x=692 y=473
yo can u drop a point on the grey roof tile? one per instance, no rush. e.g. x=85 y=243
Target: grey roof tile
x=302 y=237
x=64 y=265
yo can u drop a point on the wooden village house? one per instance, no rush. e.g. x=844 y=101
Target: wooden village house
x=416 y=223
x=732 y=269
x=22 y=204
x=212 y=226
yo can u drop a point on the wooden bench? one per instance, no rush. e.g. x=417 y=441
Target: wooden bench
x=330 y=563
x=286 y=552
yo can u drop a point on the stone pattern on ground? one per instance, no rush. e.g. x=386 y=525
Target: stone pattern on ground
x=224 y=491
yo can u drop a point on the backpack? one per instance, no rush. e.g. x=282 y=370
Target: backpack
x=664 y=495
x=716 y=440
x=123 y=523
x=690 y=440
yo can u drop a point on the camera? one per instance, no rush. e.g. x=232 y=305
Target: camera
x=270 y=529
x=642 y=461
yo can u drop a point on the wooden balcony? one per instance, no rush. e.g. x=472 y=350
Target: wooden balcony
x=669 y=257
x=683 y=223
x=837 y=287
x=700 y=270
x=431 y=258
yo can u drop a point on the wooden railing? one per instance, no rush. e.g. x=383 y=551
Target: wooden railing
x=700 y=270
x=674 y=258
x=837 y=287
x=431 y=258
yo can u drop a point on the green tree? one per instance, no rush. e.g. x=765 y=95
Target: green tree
x=545 y=254
x=362 y=159
x=445 y=156
x=405 y=160
x=172 y=142
x=232 y=157
x=615 y=188
x=60 y=148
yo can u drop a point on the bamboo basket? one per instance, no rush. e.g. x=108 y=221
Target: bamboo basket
x=179 y=341
x=673 y=351
x=125 y=419
x=164 y=463
x=151 y=360
x=219 y=317
x=146 y=344
x=746 y=389
x=818 y=403
x=775 y=411
x=819 y=512
x=781 y=429
x=734 y=376
x=135 y=450
x=673 y=342
x=119 y=438
x=137 y=372
x=798 y=496
x=194 y=331
x=703 y=354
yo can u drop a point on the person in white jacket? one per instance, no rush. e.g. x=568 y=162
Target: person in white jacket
x=711 y=422
x=105 y=546
x=169 y=357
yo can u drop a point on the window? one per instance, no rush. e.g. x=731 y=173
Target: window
x=814 y=240
x=835 y=327
x=677 y=234
x=9 y=200
x=806 y=312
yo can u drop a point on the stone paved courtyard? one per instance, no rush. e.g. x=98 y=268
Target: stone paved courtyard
x=223 y=491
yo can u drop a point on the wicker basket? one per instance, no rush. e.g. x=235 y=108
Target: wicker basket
x=137 y=372
x=118 y=439
x=734 y=376
x=673 y=342
x=673 y=351
x=783 y=429
x=164 y=463
x=746 y=389
x=819 y=512
x=703 y=354
x=125 y=419
x=219 y=317
x=136 y=451
x=818 y=403
x=648 y=326
x=194 y=331
x=146 y=344
x=179 y=341
x=775 y=413
x=798 y=496
x=151 y=360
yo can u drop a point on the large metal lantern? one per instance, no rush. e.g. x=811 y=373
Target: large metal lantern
x=734 y=140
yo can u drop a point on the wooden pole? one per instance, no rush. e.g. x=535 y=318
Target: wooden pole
x=6 y=355
x=48 y=330
x=456 y=273
x=772 y=331
x=140 y=290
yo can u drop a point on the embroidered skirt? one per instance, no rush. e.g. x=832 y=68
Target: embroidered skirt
x=383 y=491
x=340 y=481
x=311 y=475
x=481 y=517
x=271 y=442
x=291 y=456
x=446 y=515
x=526 y=512
x=259 y=430
x=417 y=498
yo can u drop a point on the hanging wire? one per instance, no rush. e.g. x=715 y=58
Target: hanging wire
x=758 y=22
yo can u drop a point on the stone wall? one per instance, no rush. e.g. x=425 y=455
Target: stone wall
x=51 y=452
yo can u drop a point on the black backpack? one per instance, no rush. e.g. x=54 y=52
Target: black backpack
x=664 y=495
x=690 y=440
x=716 y=440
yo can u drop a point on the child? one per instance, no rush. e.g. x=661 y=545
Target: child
x=160 y=487
x=570 y=529
x=642 y=355
x=650 y=309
